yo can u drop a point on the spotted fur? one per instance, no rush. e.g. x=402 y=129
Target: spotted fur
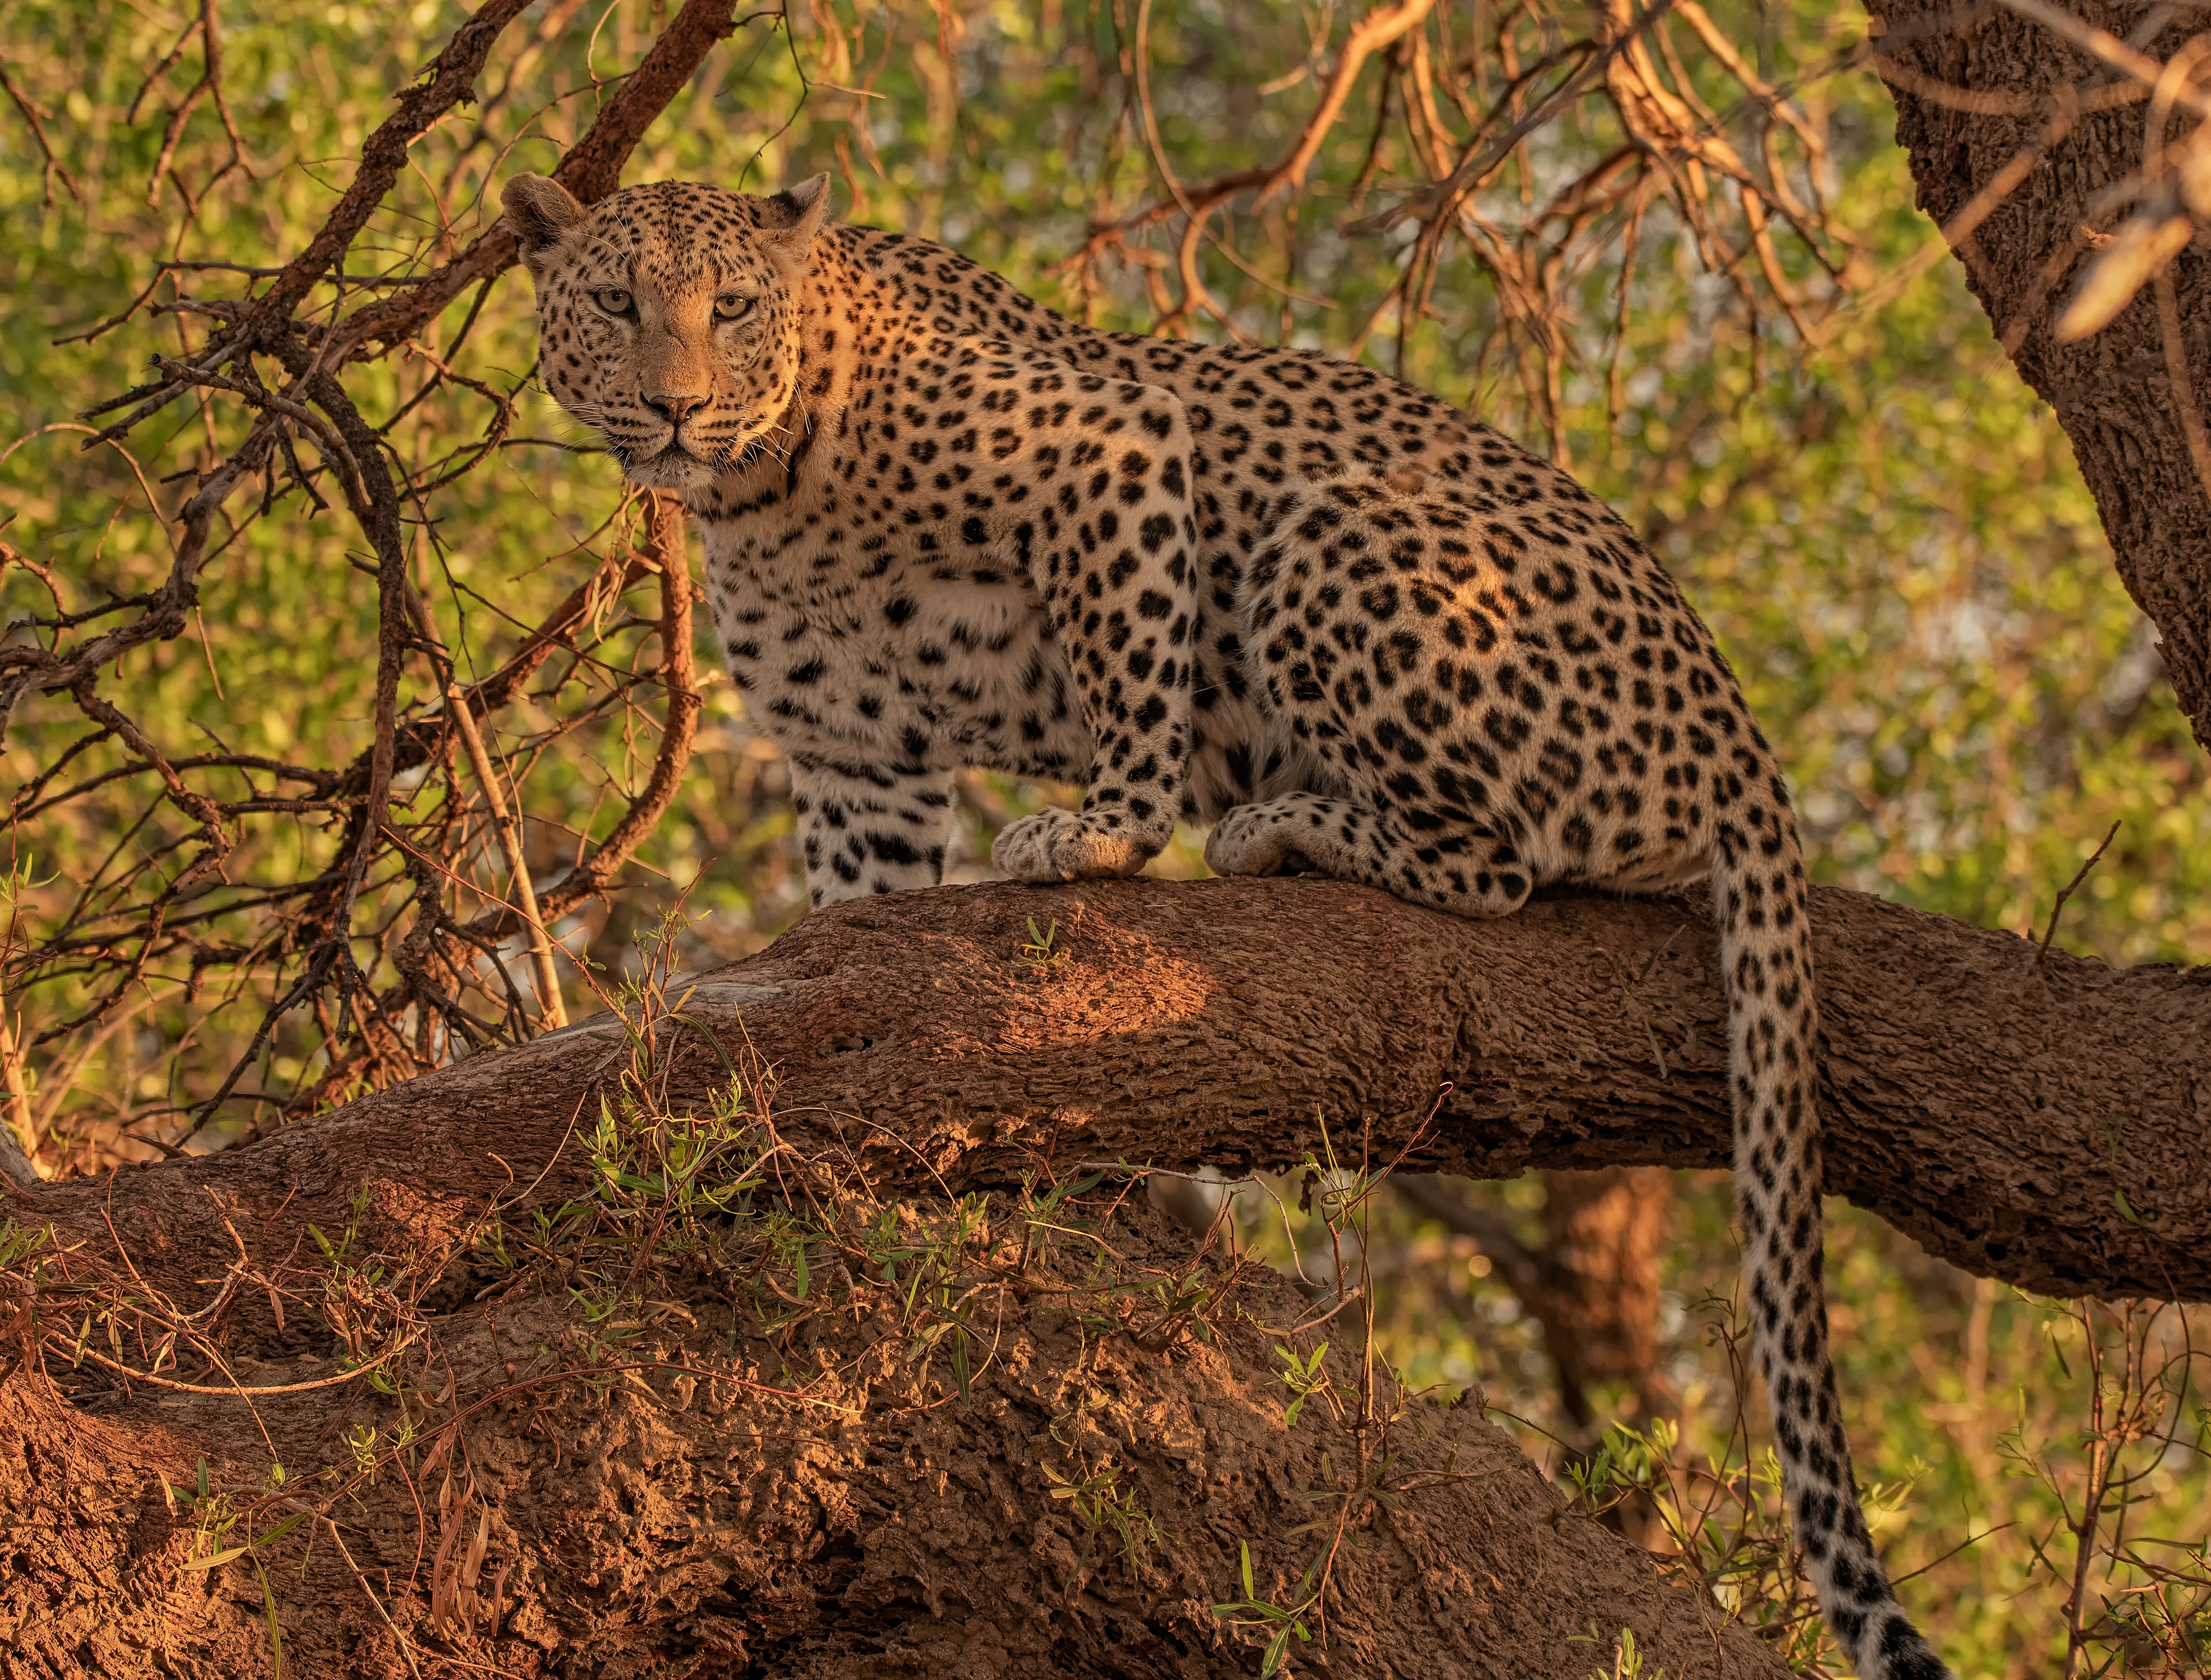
x=1260 y=588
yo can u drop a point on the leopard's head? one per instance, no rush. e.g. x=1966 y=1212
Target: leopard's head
x=669 y=315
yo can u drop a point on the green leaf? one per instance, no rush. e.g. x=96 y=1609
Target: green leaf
x=281 y=1530
x=2127 y=1214
x=221 y=1557
x=275 y=1633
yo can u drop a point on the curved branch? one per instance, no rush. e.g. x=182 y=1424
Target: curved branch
x=664 y=551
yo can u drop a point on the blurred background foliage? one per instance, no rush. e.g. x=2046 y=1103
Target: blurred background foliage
x=1882 y=525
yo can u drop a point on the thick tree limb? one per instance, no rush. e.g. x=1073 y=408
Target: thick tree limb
x=1990 y=102
x=2007 y=1113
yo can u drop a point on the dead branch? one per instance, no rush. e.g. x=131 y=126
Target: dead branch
x=663 y=553
x=49 y=167
x=591 y=170
x=1679 y=148
x=446 y=951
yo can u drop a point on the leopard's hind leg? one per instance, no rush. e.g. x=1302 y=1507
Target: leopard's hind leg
x=1472 y=874
x=1356 y=640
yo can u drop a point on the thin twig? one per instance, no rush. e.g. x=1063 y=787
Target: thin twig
x=2050 y=932
x=51 y=168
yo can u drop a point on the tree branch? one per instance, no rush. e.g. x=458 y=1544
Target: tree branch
x=591 y=170
x=450 y=78
x=2009 y=1116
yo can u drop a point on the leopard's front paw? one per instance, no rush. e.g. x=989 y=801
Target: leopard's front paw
x=1257 y=840
x=1062 y=846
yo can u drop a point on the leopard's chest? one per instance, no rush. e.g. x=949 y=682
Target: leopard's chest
x=860 y=649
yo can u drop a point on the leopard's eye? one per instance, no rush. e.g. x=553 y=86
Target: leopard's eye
x=731 y=307
x=614 y=300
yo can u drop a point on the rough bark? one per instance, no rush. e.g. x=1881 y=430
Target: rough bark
x=1993 y=1103
x=2113 y=392
x=681 y=1524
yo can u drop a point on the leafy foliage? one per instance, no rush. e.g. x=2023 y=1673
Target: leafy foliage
x=2035 y=1472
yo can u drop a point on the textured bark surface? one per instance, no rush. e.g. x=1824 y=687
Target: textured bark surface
x=2112 y=392
x=680 y=1524
x=1988 y=1101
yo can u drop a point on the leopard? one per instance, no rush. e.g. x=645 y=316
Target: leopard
x=1249 y=586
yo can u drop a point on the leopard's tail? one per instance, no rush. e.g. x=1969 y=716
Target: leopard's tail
x=1759 y=895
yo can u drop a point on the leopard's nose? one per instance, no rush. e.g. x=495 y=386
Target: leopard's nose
x=674 y=408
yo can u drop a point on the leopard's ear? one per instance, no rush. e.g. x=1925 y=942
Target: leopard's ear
x=795 y=215
x=542 y=212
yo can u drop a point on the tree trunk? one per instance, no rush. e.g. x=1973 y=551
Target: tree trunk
x=1602 y=1232
x=1592 y=1285
x=2116 y=392
x=790 y=1494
